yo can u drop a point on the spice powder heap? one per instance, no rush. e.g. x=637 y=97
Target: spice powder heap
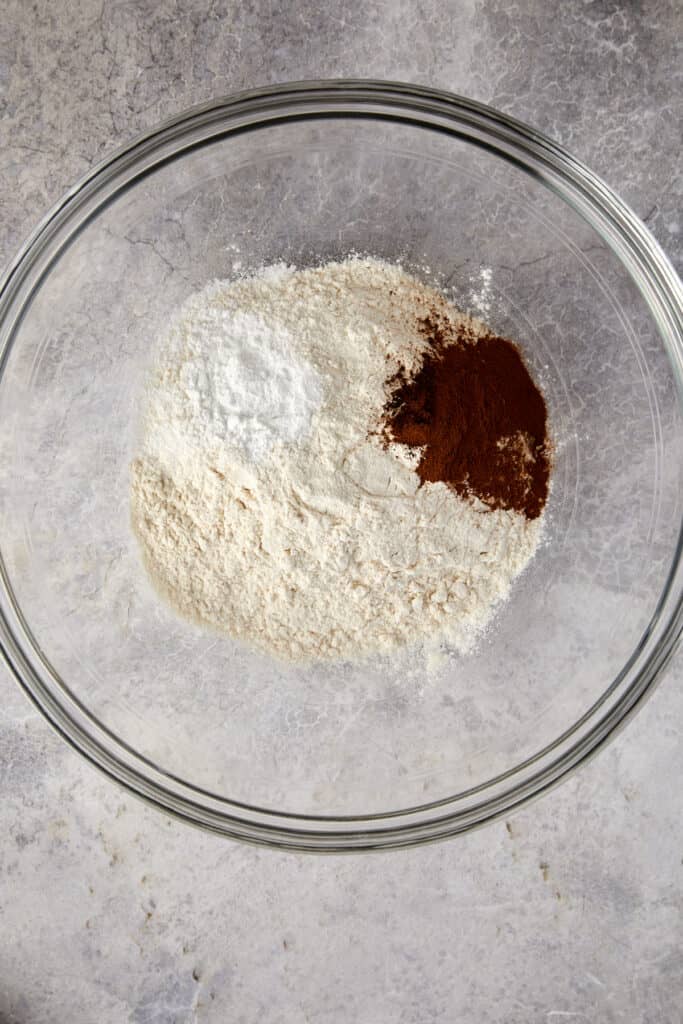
x=477 y=415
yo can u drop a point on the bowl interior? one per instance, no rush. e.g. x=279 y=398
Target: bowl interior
x=345 y=739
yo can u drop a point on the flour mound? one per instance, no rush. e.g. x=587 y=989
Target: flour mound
x=264 y=500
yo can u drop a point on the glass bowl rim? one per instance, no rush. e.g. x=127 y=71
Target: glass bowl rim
x=642 y=258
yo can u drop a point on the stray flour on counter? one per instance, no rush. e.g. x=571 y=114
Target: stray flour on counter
x=267 y=505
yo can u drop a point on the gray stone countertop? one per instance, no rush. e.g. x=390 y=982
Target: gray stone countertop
x=571 y=910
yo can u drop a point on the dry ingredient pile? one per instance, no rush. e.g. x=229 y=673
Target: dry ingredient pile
x=337 y=462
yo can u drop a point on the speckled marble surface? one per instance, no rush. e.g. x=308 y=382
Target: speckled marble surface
x=571 y=910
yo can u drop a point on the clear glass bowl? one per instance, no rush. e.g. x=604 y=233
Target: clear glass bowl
x=347 y=756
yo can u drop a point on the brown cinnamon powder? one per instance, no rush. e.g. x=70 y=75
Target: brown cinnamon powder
x=478 y=416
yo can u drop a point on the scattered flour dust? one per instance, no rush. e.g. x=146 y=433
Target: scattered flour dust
x=264 y=504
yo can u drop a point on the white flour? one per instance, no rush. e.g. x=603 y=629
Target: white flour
x=305 y=538
x=480 y=293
